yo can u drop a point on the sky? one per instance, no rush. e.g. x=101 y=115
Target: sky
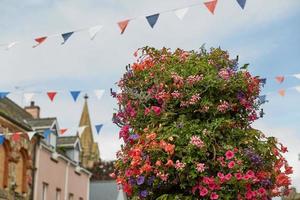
x=264 y=34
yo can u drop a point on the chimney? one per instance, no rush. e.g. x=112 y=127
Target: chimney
x=33 y=109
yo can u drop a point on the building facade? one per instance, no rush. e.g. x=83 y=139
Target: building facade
x=15 y=153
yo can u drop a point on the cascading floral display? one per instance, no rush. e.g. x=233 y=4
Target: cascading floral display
x=185 y=119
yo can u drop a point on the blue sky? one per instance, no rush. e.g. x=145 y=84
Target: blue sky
x=265 y=34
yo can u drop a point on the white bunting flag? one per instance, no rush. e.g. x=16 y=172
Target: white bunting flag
x=297 y=75
x=99 y=93
x=28 y=97
x=94 y=30
x=31 y=134
x=297 y=88
x=10 y=45
x=80 y=130
x=180 y=13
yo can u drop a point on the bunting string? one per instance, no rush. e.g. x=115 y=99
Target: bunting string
x=152 y=20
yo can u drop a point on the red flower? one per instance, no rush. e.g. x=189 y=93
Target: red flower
x=156 y=109
x=229 y=155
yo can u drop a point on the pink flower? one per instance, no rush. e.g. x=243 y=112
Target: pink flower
x=223 y=106
x=179 y=165
x=238 y=176
x=200 y=167
x=231 y=164
x=228 y=177
x=176 y=94
x=221 y=175
x=169 y=163
x=248 y=195
x=229 y=155
x=203 y=192
x=191 y=80
x=214 y=196
x=224 y=74
x=194 y=99
x=147 y=111
x=262 y=191
x=156 y=109
x=196 y=140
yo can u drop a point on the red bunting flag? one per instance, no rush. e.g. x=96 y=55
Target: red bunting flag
x=279 y=79
x=39 y=41
x=16 y=136
x=281 y=92
x=122 y=25
x=51 y=95
x=211 y=5
x=62 y=131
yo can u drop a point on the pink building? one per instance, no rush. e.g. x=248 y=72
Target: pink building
x=57 y=172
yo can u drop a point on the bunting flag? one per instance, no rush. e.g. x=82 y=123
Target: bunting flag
x=39 y=41
x=51 y=95
x=279 y=79
x=31 y=134
x=94 y=30
x=281 y=92
x=262 y=99
x=3 y=95
x=122 y=25
x=2 y=139
x=16 y=137
x=66 y=36
x=152 y=19
x=80 y=130
x=47 y=132
x=211 y=5
x=10 y=45
x=180 y=13
x=62 y=131
x=242 y=3
x=296 y=76
x=98 y=128
x=75 y=95
x=28 y=96
x=297 y=88
x=99 y=93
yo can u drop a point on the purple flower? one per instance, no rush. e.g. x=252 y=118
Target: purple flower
x=144 y=193
x=131 y=181
x=134 y=137
x=150 y=180
x=140 y=180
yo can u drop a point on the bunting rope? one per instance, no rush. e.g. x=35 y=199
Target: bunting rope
x=123 y=24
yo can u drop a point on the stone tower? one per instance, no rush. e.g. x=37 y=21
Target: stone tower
x=90 y=153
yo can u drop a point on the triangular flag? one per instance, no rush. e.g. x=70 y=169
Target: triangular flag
x=28 y=96
x=31 y=134
x=152 y=19
x=51 y=95
x=180 y=13
x=122 y=25
x=94 y=30
x=47 y=132
x=279 y=79
x=62 y=131
x=66 y=36
x=281 y=92
x=297 y=88
x=2 y=139
x=39 y=41
x=211 y=5
x=3 y=94
x=99 y=93
x=296 y=76
x=10 y=45
x=98 y=128
x=75 y=94
x=16 y=136
x=80 y=130
x=242 y=3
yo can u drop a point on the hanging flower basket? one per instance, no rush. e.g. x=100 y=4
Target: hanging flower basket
x=185 y=119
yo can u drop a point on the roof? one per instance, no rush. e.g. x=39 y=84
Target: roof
x=14 y=113
x=106 y=190
x=67 y=141
x=42 y=122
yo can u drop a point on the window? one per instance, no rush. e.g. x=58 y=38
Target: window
x=71 y=196
x=58 y=194
x=21 y=172
x=45 y=190
x=52 y=139
x=4 y=154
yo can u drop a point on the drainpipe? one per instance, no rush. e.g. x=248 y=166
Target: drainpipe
x=34 y=170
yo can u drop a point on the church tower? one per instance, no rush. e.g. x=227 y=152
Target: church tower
x=90 y=153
